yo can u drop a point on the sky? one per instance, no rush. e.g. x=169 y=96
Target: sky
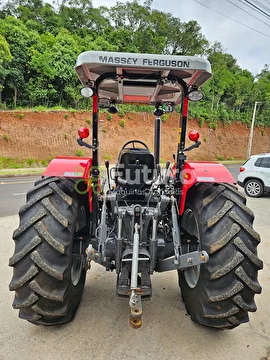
x=250 y=48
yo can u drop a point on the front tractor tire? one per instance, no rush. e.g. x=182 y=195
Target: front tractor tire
x=220 y=293
x=49 y=258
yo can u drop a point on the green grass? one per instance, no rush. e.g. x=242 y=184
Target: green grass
x=16 y=163
x=201 y=122
x=31 y=162
x=79 y=152
x=20 y=172
x=121 y=113
x=56 y=108
x=228 y=162
x=164 y=117
x=38 y=109
x=122 y=123
x=44 y=162
x=9 y=163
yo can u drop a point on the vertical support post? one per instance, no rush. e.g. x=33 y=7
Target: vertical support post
x=100 y=139
x=182 y=136
x=157 y=140
x=181 y=157
x=153 y=246
x=183 y=125
x=175 y=232
x=95 y=129
x=251 y=129
x=93 y=193
x=119 y=244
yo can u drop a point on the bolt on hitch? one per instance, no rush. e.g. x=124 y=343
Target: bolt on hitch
x=135 y=304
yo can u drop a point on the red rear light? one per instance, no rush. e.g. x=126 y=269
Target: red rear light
x=83 y=132
x=242 y=169
x=193 y=135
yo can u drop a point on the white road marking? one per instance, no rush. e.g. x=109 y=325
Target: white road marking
x=19 y=194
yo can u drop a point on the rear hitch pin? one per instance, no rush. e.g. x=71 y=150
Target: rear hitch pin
x=135 y=304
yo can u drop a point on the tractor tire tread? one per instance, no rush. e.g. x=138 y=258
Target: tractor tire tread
x=42 y=280
x=224 y=293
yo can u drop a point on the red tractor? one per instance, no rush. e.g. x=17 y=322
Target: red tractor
x=139 y=218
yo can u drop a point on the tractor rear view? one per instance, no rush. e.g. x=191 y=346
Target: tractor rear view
x=139 y=218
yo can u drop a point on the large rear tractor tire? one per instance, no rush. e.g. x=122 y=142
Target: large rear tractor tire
x=221 y=292
x=49 y=258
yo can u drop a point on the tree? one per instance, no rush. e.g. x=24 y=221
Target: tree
x=19 y=39
x=39 y=44
x=185 y=38
x=51 y=67
x=262 y=94
x=5 y=59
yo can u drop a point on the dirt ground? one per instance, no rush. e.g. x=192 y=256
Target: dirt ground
x=43 y=135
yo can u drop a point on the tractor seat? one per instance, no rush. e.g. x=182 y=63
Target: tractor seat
x=135 y=168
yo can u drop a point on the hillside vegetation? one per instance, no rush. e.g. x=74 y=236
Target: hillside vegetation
x=30 y=138
x=39 y=44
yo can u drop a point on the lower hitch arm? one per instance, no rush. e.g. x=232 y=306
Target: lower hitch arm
x=180 y=261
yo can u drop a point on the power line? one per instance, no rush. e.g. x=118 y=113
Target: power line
x=261 y=5
x=255 y=17
x=244 y=3
x=238 y=22
x=255 y=7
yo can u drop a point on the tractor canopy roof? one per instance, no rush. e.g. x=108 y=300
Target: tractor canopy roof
x=141 y=78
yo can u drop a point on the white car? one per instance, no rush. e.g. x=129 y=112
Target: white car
x=254 y=175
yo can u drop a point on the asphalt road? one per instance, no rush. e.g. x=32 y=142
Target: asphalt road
x=234 y=170
x=13 y=191
x=101 y=331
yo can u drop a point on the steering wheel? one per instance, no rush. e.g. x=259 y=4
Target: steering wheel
x=133 y=142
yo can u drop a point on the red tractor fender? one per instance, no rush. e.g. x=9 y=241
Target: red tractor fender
x=65 y=166
x=199 y=171
x=73 y=167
